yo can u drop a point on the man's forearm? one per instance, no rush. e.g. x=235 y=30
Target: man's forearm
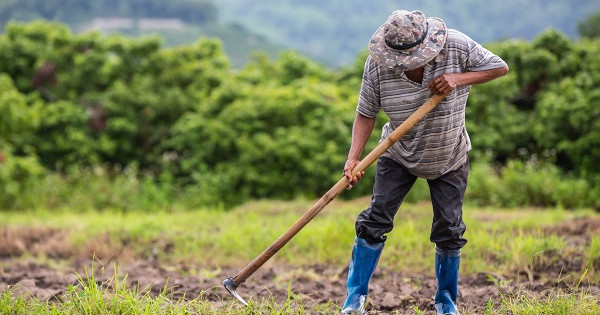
x=478 y=77
x=361 y=131
x=449 y=81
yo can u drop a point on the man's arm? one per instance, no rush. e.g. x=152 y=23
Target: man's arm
x=361 y=131
x=449 y=81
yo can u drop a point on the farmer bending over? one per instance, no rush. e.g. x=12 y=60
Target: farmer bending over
x=410 y=58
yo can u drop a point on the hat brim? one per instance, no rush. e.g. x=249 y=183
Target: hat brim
x=413 y=58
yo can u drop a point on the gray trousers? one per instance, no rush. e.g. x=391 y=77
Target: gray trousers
x=392 y=183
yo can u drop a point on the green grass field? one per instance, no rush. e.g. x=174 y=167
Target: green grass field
x=520 y=245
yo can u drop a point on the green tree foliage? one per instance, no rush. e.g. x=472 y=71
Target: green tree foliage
x=548 y=103
x=569 y=112
x=500 y=113
x=140 y=110
x=17 y=121
x=182 y=120
x=119 y=102
x=274 y=128
x=590 y=27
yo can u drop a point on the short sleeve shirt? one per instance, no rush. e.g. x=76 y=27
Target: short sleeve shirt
x=439 y=143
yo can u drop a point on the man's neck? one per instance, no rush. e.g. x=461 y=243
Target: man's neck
x=415 y=75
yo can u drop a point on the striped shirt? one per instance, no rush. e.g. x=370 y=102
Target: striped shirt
x=439 y=143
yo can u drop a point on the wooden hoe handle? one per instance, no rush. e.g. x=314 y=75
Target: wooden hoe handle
x=337 y=189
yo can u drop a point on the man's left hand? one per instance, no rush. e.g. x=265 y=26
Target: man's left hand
x=445 y=83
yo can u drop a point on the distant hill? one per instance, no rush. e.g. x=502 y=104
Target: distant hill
x=333 y=31
x=177 y=21
x=77 y=12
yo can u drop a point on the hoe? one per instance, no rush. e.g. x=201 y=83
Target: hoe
x=232 y=283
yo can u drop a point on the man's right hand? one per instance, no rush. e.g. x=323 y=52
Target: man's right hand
x=350 y=165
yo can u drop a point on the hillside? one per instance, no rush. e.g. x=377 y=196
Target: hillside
x=331 y=32
x=334 y=31
x=177 y=22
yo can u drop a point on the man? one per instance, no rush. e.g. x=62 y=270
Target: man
x=410 y=58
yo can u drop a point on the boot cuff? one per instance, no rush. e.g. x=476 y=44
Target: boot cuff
x=361 y=242
x=447 y=252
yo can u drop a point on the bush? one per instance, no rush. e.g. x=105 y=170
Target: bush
x=18 y=176
x=531 y=183
x=99 y=188
x=150 y=127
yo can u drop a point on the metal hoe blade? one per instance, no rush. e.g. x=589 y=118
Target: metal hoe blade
x=231 y=286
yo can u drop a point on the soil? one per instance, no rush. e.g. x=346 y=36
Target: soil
x=391 y=291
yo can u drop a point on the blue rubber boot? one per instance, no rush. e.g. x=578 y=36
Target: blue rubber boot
x=364 y=259
x=446 y=272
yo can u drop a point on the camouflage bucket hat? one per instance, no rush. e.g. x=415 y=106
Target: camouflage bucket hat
x=407 y=40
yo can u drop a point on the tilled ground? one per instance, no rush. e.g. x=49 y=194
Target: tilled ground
x=391 y=291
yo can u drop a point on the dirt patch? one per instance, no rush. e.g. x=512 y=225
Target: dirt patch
x=390 y=291
x=15 y=241
x=576 y=231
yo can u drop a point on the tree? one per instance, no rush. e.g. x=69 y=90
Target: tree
x=590 y=27
x=18 y=120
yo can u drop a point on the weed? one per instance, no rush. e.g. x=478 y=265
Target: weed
x=592 y=253
x=555 y=302
x=417 y=310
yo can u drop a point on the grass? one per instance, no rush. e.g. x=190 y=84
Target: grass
x=502 y=239
x=91 y=297
x=112 y=296
x=592 y=254
x=556 y=302
x=500 y=242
